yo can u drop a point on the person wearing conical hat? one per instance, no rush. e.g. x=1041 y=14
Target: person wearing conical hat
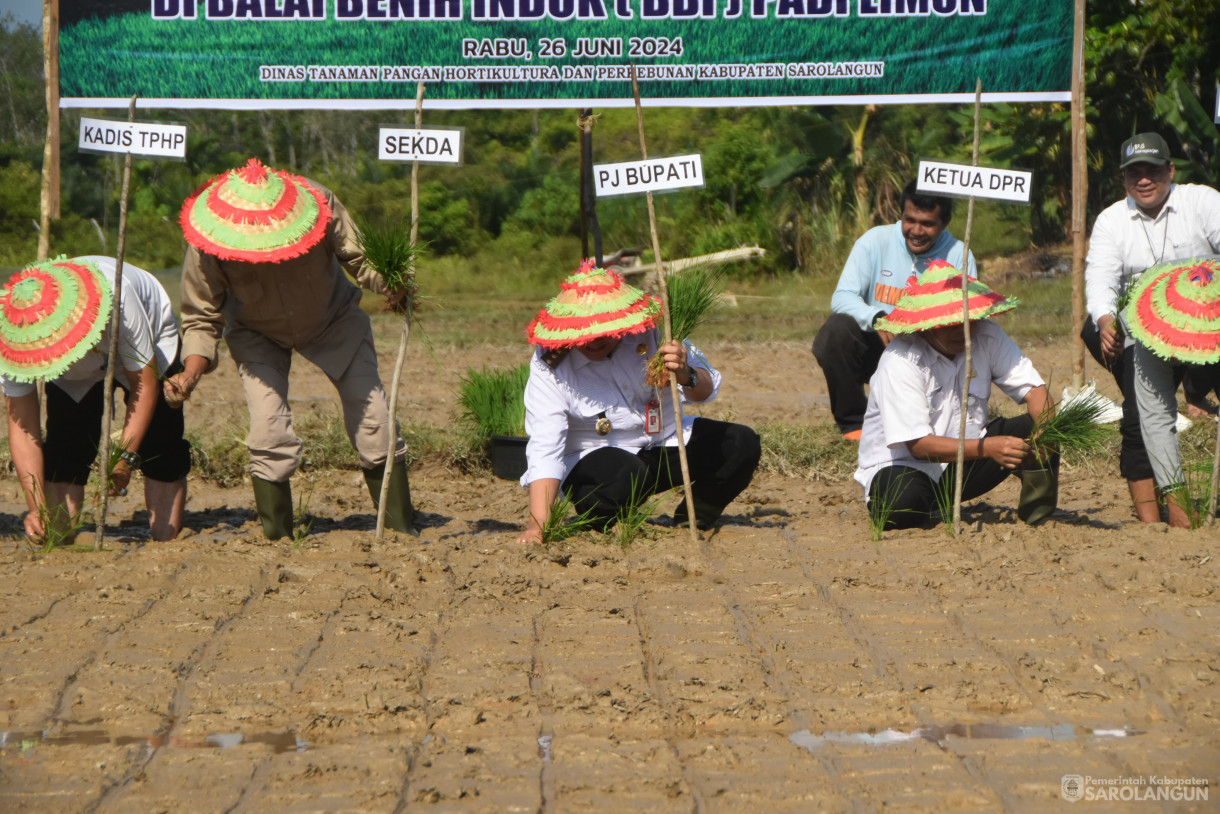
x=598 y=433
x=1158 y=221
x=266 y=267
x=1174 y=317
x=909 y=442
x=55 y=327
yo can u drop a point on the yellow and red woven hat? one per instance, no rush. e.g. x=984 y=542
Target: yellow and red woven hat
x=592 y=303
x=1175 y=310
x=256 y=214
x=51 y=314
x=935 y=299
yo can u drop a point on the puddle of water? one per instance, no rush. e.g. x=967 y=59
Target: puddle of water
x=939 y=734
x=280 y=742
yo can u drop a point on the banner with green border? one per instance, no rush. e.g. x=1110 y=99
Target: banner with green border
x=370 y=54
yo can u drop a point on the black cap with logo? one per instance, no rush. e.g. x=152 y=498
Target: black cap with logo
x=1146 y=147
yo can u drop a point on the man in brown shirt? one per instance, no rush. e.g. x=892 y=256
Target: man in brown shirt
x=265 y=269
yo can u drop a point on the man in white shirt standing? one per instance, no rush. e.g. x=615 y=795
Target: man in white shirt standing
x=1157 y=222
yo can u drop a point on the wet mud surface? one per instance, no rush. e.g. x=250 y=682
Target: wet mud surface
x=784 y=662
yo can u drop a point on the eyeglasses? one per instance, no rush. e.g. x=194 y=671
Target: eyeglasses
x=1144 y=170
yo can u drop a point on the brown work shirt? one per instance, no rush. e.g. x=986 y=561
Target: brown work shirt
x=306 y=303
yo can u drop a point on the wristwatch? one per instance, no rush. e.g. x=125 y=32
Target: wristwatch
x=693 y=381
x=133 y=459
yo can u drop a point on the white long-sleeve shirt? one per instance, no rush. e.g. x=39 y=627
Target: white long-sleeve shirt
x=564 y=403
x=1126 y=242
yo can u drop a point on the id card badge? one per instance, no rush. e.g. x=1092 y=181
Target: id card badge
x=652 y=417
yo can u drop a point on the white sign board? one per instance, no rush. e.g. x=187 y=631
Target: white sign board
x=151 y=139
x=961 y=180
x=424 y=146
x=652 y=175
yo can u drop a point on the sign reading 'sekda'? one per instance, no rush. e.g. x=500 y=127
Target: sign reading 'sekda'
x=440 y=146
x=152 y=139
x=974 y=182
x=649 y=175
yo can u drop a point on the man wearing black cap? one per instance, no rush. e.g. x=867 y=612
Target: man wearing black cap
x=1157 y=222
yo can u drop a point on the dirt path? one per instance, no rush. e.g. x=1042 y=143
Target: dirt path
x=784 y=663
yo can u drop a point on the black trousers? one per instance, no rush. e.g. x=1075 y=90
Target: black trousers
x=848 y=357
x=912 y=495
x=722 y=458
x=1133 y=463
x=74 y=432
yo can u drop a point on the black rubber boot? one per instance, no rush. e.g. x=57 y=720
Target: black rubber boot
x=274 y=504
x=399 y=513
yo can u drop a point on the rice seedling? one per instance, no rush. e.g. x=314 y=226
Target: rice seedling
x=692 y=294
x=493 y=401
x=564 y=521
x=302 y=519
x=883 y=503
x=1192 y=495
x=389 y=251
x=631 y=522
x=943 y=490
x=1073 y=430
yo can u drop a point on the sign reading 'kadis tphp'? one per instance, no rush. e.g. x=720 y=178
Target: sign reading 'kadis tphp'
x=152 y=139
x=650 y=175
x=974 y=182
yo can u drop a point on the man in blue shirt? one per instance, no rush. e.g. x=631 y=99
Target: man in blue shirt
x=880 y=265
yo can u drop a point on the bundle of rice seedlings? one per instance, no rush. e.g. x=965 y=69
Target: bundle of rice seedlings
x=1074 y=429
x=389 y=251
x=493 y=401
x=691 y=296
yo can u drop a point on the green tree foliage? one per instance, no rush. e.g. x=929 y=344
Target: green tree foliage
x=23 y=119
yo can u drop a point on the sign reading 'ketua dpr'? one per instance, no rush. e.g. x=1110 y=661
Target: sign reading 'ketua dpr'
x=424 y=146
x=977 y=182
x=151 y=139
x=651 y=175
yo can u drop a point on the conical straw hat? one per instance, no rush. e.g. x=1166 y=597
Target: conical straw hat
x=256 y=214
x=1175 y=310
x=935 y=299
x=592 y=303
x=51 y=314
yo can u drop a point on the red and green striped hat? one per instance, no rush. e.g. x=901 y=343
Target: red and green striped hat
x=1175 y=310
x=256 y=214
x=51 y=314
x=592 y=303
x=935 y=299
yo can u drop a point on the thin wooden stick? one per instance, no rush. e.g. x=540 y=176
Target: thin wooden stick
x=664 y=291
x=961 y=433
x=113 y=354
x=1080 y=192
x=406 y=329
x=1211 y=501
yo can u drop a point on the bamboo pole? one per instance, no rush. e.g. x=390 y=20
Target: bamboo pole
x=1080 y=192
x=406 y=330
x=961 y=433
x=664 y=292
x=49 y=192
x=112 y=357
x=1211 y=501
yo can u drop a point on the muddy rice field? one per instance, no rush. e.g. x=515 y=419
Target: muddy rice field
x=785 y=662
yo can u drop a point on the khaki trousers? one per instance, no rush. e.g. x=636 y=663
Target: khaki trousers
x=275 y=449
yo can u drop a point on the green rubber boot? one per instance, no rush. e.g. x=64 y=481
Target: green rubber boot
x=399 y=513
x=274 y=504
